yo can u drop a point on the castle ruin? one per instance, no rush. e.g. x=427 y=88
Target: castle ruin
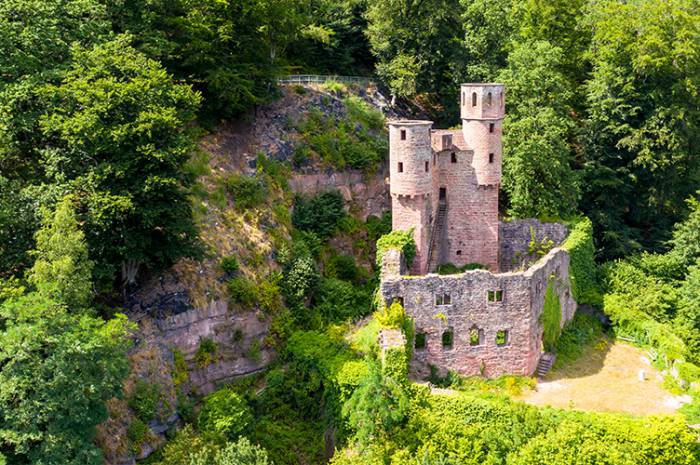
x=444 y=186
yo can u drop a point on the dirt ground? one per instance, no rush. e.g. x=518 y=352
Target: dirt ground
x=606 y=379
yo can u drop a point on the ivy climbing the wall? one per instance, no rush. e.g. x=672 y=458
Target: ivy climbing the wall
x=582 y=267
x=551 y=316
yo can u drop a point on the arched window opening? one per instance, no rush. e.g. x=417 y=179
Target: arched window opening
x=473 y=99
x=488 y=99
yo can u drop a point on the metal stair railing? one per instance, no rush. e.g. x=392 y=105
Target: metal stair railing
x=438 y=225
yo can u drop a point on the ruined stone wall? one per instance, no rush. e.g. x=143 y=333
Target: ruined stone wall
x=469 y=308
x=515 y=238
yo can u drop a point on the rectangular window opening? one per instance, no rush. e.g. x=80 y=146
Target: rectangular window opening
x=501 y=337
x=403 y=134
x=491 y=127
x=491 y=156
x=426 y=166
x=443 y=299
x=400 y=167
x=495 y=296
x=420 y=341
x=448 y=339
x=454 y=157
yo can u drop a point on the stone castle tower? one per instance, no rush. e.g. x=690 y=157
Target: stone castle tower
x=444 y=183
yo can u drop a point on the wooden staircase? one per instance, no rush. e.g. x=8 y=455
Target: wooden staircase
x=545 y=364
x=435 y=235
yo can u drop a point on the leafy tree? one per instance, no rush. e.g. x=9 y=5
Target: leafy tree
x=117 y=131
x=62 y=271
x=686 y=234
x=489 y=28
x=225 y=414
x=57 y=369
x=537 y=174
x=18 y=221
x=241 y=452
x=688 y=317
x=415 y=44
x=377 y=408
x=642 y=128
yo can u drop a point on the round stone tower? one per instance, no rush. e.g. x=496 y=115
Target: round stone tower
x=410 y=153
x=482 y=111
x=411 y=186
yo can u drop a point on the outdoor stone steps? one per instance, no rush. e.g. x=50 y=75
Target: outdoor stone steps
x=437 y=232
x=545 y=364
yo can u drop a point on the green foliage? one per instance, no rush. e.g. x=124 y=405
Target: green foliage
x=551 y=317
x=320 y=214
x=62 y=270
x=377 y=408
x=353 y=140
x=377 y=227
x=137 y=432
x=247 y=191
x=117 y=132
x=537 y=176
x=225 y=414
x=180 y=368
x=229 y=265
x=686 y=234
x=18 y=220
x=338 y=300
x=144 y=400
x=206 y=352
x=253 y=352
x=450 y=268
x=643 y=105
x=342 y=267
x=48 y=355
x=397 y=240
x=242 y=291
x=583 y=270
x=581 y=332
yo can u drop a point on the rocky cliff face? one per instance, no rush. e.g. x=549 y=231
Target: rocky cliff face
x=191 y=339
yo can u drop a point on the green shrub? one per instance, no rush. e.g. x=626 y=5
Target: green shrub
x=229 y=265
x=377 y=227
x=338 y=300
x=299 y=89
x=180 y=368
x=551 y=317
x=242 y=291
x=583 y=271
x=581 y=332
x=206 y=352
x=247 y=191
x=269 y=294
x=334 y=87
x=363 y=113
x=137 y=433
x=449 y=268
x=254 y=351
x=225 y=414
x=144 y=400
x=320 y=214
x=397 y=240
x=342 y=267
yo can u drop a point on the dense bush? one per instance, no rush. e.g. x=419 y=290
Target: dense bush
x=397 y=240
x=144 y=399
x=247 y=191
x=225 y=414
x=338 y=300
x=320 y=214
x=229 y=265
x=242 y=291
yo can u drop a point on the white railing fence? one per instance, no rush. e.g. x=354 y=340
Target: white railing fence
x=321 y=78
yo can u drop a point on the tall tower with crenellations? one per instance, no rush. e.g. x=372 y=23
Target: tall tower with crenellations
x=444 y=183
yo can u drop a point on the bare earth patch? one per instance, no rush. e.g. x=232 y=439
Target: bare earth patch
x=606 y=379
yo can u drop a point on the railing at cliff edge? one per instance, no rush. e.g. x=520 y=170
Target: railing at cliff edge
x=321 y=78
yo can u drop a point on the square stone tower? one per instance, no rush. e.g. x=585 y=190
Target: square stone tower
x=444 y=183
